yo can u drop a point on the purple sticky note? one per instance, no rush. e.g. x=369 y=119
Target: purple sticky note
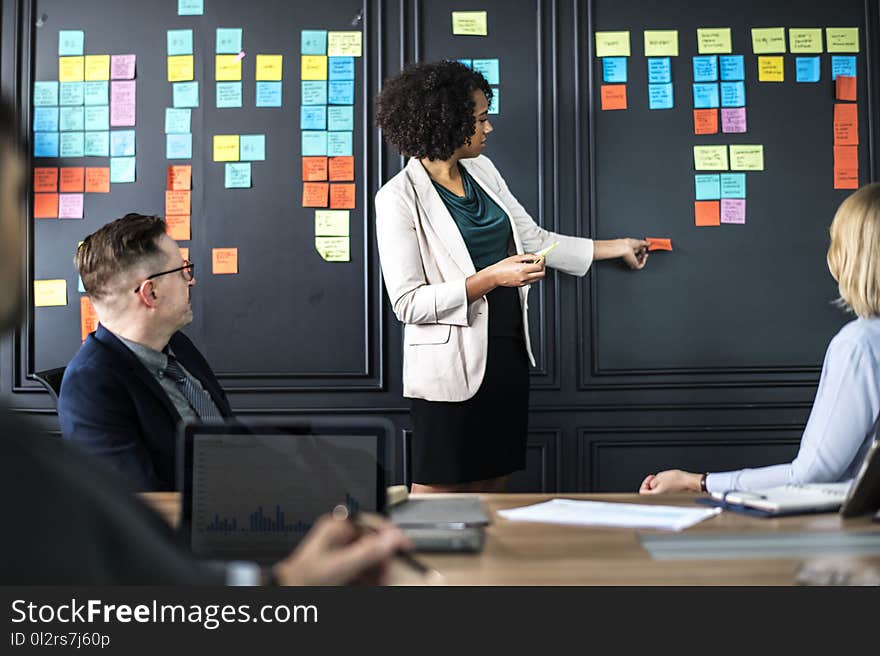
x=733 y=119
x=122 y=105
x=733 y=210
x=70 y=206
x=122 y=67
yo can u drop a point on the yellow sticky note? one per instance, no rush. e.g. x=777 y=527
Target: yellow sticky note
x=746 y=158
x=333 y=249
x=842 y=39
x=805 y=40
x=473 y=23
x=50 y=293
x=227 y=68
x=97 y=67
x=225 y=147
x=710 y=158
x=766 y=40
x=771 y=69
x=344 y=44
x=612 y=44
x=714 y=41
x=661 y=43
x=180 y=68
x=331 y=223
x=314 y=67
x=269 y=67
x=70 y=69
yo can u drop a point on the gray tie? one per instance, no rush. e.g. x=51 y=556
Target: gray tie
x=200 y=401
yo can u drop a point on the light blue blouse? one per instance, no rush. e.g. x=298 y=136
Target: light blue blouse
x=842 y=424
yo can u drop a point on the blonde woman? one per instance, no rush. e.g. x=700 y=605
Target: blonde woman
x=846 y=413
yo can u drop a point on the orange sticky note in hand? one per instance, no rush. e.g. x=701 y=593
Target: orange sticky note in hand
x=846 y=167
x=315 y=194
x=72 y=179
x=45 y=179
x=314 y=169
x=342 y=168
x=846 y=124
x=342 y=196
x=178 y=227
x=845 y=87
x=177 y=203
x=707 y=212
x=45 y=206
x=657 y=244
x=179 y=177
x=224 y=260
x=613 y=96
x=98 y=179
x=88 y=318
x=705 y=121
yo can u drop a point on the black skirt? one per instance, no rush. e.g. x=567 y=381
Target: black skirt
x=485 y=436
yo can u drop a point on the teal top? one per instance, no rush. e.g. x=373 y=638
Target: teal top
x=484 y=226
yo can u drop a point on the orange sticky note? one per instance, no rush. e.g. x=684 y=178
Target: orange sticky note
x=88 y=318
x=179 y=177
x=177 y=203
x=314 y=169
x=707 y=212
x=657 y=244
x=45 y=206
x=315 y=194
x=177 y=227
x=72 y=178
x=342 y=196
x=705 y=121
x=845 y=87
x=45 y=179
x=98 y=179
x=342 y=168
x=184 y=253
x=613 y=96
x=224 y=260
x=846 y=167
x=846 y=124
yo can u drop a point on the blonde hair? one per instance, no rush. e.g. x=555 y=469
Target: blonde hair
x=854 y=251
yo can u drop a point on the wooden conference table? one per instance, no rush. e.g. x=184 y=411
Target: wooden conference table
x=518 y=553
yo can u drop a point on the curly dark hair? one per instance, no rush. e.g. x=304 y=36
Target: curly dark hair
x=427 y=110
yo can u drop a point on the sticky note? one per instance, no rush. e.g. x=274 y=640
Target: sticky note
x=770 y=69
x=72 y=92
x=71 y=69
x=333 y=249
x=177 y=121
x=658 y=244
x=122 y=103
x=466 y=62
x=332 y=223
x=72 y=179
x=224 y=260
x=340 y=117
x=314 y=92
x=733 y=185
x=97 y=118
x=707 y=186
x=178 y=227
x=45 y=144
x=733 y=120
x=846 y=167
x=314 y=144
x=122 y=169
x=612 y=44
x=269 y=67
x=315 y=194
x=180 y=42
x=768 y=40
x=46 y=179
x=268 y=94
x=495 y=102
x=70 y=206
x=50 y=293
x=804 y=40
x=71 y=144
x=845 y=88
x=227 y=68
x=807 y=69
x=313 y=117
x=179 y=177
x=228 y=41
x=45 y=94
x=706 y=95
x=746 y=157
x=733 y=94
x=613 y=96
x=88 y=318
x=661 y=43
x=314 y=169
x=470 y=23
x=710 y=158
x=185 y=94
x=489 y=69
x=732 y=68
x=659 y=70
x=178 y=146
x=190 y=7
x=226 y=147
x=341 y=169
x=314 y=67
x=45 y=206
x=71 y=118
x=660 y=96
x=70 y=42
x=840 y=65
x=340 y=92
x=237 y=175
x=98 y=179
x=97 y=144
x=842 y=39
x=45 y=119
x=707 y=212
x=252 y=147
x=228 y=94
x=706 y=68
x=95 y=93
x=97 y=67
x=846 y=124
x=344 y=44
x=613 y=69
x=122 y=67
x=733 y=210
x=177 y=202
x=180 y=68
x=714 y=41
x=339 y=144
x=342 y=196
x=313 y=42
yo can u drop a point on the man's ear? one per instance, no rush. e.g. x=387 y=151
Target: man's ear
x=147 y=293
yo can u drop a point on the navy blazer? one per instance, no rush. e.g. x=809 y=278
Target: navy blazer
x=112 y=407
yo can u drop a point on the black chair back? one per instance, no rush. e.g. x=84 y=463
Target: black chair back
x=51 y=380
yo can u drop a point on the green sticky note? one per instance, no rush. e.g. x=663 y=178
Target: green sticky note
x=71 y=144
x=471 y=23
x=228 y=94
x=45 y=94
x=122 y=169
x=186 y=94
x=177 y=121
x=340 y=117
x=70 y=43
x=252 y=147
x=612 y=44
x=842 y=39
x=710 y=158
x=97 y=118
x=190 y=7
x=768 y=40
x=746 y=157
x=71 y=93
x=180 y=42
x=96 y=93
x=714 y=41
x=238 y=175
x=97 y=144
x=71 y=119
x=228 y=40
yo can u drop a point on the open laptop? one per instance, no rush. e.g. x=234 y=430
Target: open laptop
x=253 y=491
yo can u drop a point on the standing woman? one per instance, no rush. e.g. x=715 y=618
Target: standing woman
x=458 y=256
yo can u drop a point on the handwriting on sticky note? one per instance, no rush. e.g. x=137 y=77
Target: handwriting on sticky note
x=705 y=121
x=733 y=210
x=72 y=179
x=733 y=120
x=714 y=40
x=342 y=196
x=224 y=260
x=613 y=96
x=122 y=67
x=733 y=185
x=341 y=169
x=658 y=244
x=805 y=40
x=98 y=179
x=315 y=194
x=237 y=175
x=179 y=177
x=227 y=68
x=333 y=249
x=846 y=124
x=710 y=158
x=226 y=147
x=746 y=157
x=45 y=206
x=707 y=213
x=96 y=67
x=178 y=227
x=612 y=44
x=314 y=169
x=269 y=67
x=314 y=67
x=45 y=179
x=771 y=69
x=661 y=43
x=88 y=318
x=122 y=103
x=180 y=68
x=344 y=44
x=332 y=223
x=846 y=167
x=768 y=40
x=50 y=293
x=177 y=202
x=470 y=23
x=845 y=88
x=71 y=69
x=70 y=206
x=842 y=39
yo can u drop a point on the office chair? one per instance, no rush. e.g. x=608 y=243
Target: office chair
x=51 y=380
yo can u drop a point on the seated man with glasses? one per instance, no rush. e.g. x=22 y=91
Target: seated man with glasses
x=136 y=377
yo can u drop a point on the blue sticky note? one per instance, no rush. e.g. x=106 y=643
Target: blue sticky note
x=190 y=7
x=228 y=40
x=97 y=144
x=314 y=42
x=70 y=43
x=313 y=117
x=228 y=94
x=97 y=118
x=613 y=69
x=340 y=68
x=732 y=68
x=495 y=103
x=45 y=144
x=733 y=94
x=843 y=65
x=314 y=92
x=340 y=117
x=340 y=92
x=708 y=187
x=177 y=121
x=180 y=42
x=706 y=68
x=808 y=69
x=45 y=119
x=96 y=92
x=71 y=119
x=466 y=62
x=178 y=146
x=45 y=94
x=705 y=96
x=660 y=96
x=733 y=185
x=314 y=144
x=71 y=144
x=252 y=147
x=338 y=144
x=237 y=175
x=71 y=93
x=122 y=169
x=122 y=143
x=490 y=70
x=186 y=94
x=268 y=94
x=659 y=70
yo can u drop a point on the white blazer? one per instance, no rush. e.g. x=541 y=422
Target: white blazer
x=425 y=263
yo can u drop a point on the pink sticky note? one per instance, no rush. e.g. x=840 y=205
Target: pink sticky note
x=122 y=67
x=733 y=120
x=70 y=206
x=122 y=103
x=733 y=210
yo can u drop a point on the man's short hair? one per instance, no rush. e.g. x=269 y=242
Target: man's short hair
x=116 y=248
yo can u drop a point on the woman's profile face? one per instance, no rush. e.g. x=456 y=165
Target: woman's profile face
x=484 y=127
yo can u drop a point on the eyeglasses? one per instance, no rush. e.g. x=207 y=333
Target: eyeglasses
x=187 y=271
